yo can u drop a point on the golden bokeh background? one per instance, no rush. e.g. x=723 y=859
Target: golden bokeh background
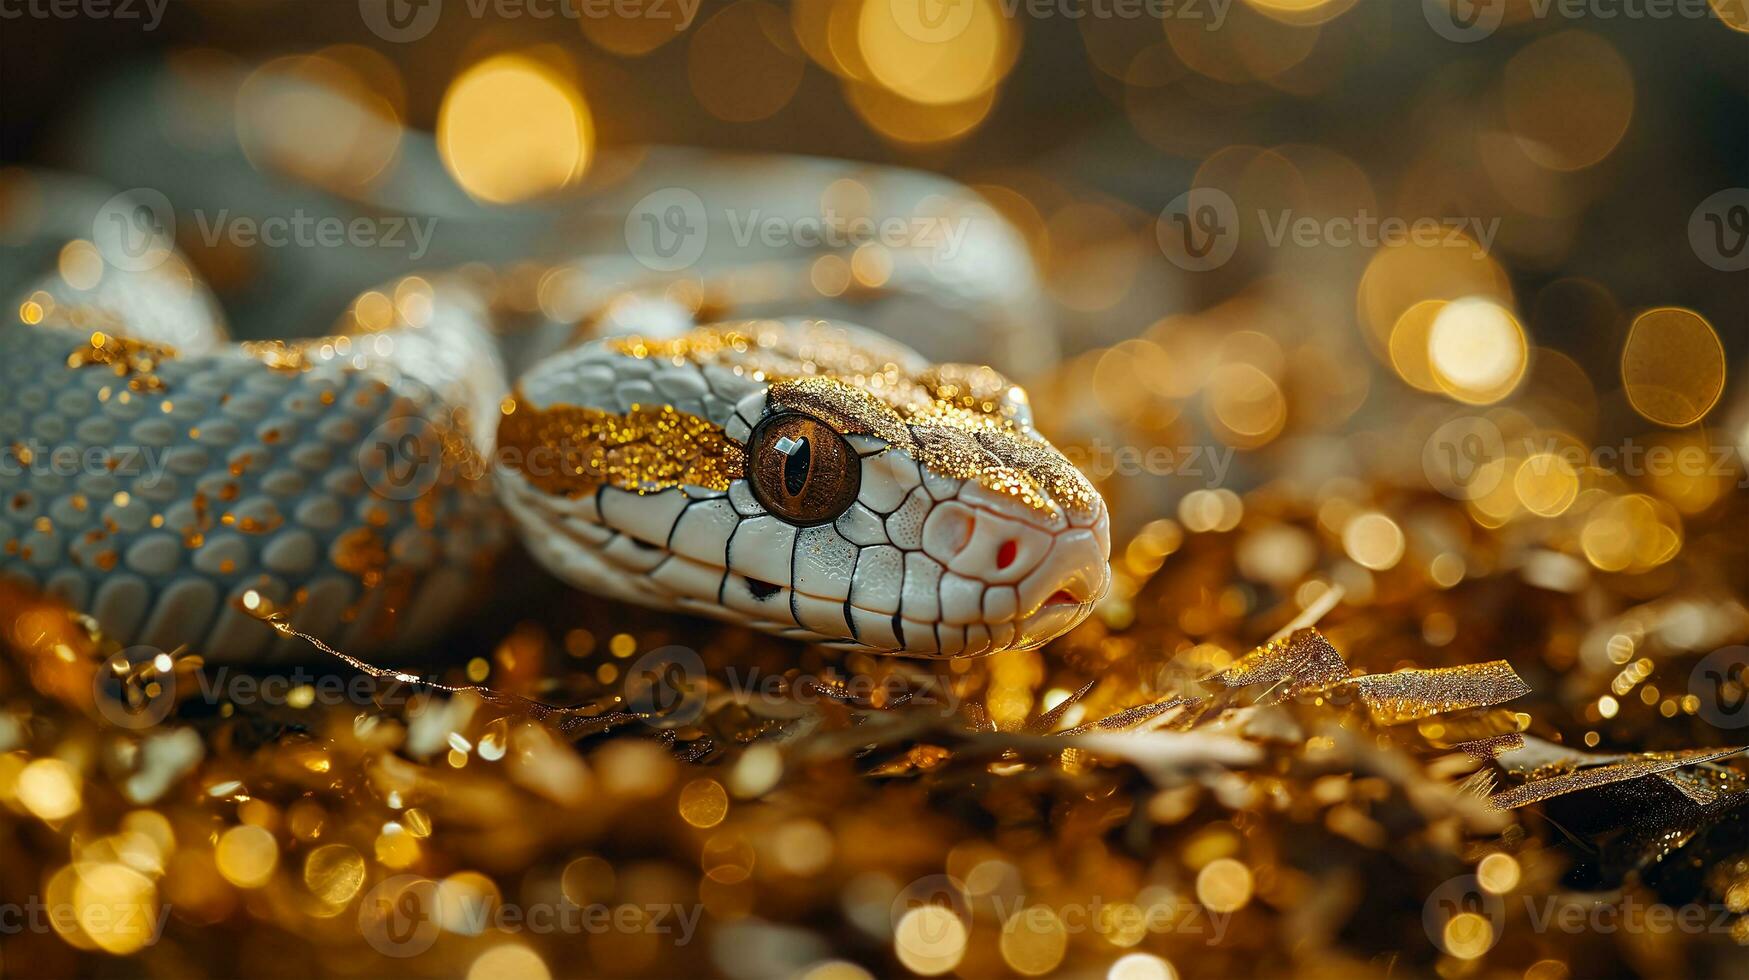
x=1474 y=433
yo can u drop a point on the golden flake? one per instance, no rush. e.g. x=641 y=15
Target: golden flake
x=1542 y=787
x=1411 y=695
x=1301 y=658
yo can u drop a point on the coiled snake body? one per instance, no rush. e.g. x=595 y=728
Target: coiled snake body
x=809 y=478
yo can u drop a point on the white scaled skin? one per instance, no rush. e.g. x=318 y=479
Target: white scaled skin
x=920 y=564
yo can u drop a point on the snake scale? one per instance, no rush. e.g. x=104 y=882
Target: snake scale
x=787 y=471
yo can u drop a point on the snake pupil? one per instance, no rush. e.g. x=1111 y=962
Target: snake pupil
x=795 y=469
x=803 y=471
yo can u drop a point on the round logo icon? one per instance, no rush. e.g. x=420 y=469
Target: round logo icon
x=1199 y=230
x=932 y=21
x=1464 y=21
x=402 y=458
x=667 y=686
x=667 y=229
x=135 y=689
x=135 y=230
x=1462 y=918
x=1718 y=230
x=400 y=21
x=399 y=916
x=1721 y=682
x=924 y=935
x=1465 y=458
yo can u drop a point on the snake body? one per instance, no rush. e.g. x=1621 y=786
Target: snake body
x=800 y=475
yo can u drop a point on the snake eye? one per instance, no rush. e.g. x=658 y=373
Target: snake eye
x=804 y=472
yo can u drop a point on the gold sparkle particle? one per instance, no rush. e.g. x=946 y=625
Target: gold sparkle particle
x=279 y=355
x=128 y=358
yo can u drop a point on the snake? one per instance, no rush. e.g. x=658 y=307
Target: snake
x=790 y=472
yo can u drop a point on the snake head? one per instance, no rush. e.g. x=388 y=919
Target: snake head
x=812 y=481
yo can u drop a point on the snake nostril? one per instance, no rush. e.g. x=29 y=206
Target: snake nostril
x=1006 y=554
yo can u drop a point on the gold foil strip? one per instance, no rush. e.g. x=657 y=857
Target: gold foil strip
x=1644 y=764
x=1410 y=695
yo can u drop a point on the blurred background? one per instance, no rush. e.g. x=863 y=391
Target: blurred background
x=1440 y=306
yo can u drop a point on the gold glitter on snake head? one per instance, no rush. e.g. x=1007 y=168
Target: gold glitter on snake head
x=572 y=450
x=954 y=441
x=849 y=408
x=963 y=421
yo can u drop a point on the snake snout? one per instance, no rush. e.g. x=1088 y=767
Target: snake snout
x=1024 y=576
